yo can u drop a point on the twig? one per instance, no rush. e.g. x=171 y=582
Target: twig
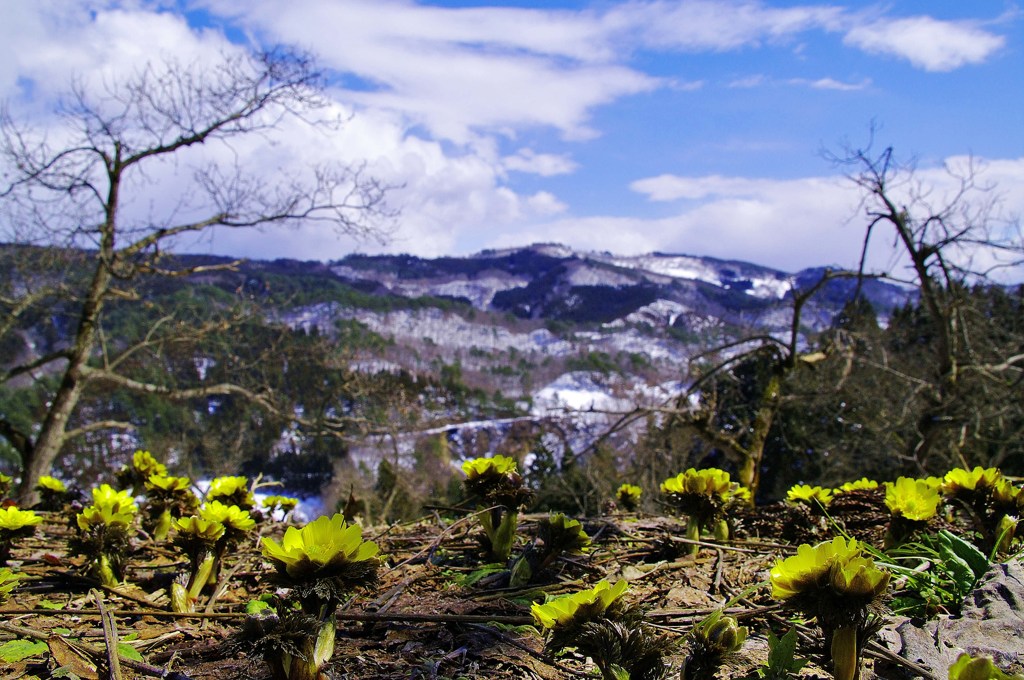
x=429 y=549
x=716 y=585
x=109 y=637
x=877 y=651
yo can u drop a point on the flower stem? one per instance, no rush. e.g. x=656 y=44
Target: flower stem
x=845 y=659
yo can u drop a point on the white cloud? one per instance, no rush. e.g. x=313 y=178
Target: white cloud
x=746 y=82
x=759 y=80
x=443 y=192
x=716 y=25
x=927 y=43
x=832 y=84
x=459 y=72
x=42 y=47
x=440 y=97
x=543 y=164
x=791 y=224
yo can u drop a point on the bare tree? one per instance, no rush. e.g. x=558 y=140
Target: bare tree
x=951 y=243
x=77 y=188
x=774 y=360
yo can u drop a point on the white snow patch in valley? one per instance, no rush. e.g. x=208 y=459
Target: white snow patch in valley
x=479 y=291
x=675 y=266
x=585 y=275
x=695 y=269
x=658 y=314
x=578 y=391
x=585 y=391
x=446 y=329
x=774 y=288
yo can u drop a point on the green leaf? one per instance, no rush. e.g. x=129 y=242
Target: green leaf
x=960 y=570
x=46 y=604
x=259 y=608
x=16 y=650
x=618 y=672
x=474 y=576
x=61 y=631
x=967 y=552
x=126 y=651
x=782 y=662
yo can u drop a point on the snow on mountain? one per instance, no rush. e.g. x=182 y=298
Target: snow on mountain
x=758 y=282
x=479 y=290
x=660 y=313
x=442 y=328
x=578 y=390
x=586 y=391
x=585 y=274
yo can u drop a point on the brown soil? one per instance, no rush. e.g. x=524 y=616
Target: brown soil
x=429 y=617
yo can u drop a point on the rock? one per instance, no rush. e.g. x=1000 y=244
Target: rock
x=991 y=623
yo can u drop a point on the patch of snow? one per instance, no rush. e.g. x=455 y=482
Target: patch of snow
x=674 y=266
x=578 y=390
x=774 y=288
x=479 y=291
x=203 y=365
x=660 y=313
x=584 y=275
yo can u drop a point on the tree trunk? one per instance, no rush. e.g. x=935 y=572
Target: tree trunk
x=42 y=453
x=750 y=468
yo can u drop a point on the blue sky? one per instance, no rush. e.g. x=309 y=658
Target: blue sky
x=689 y=126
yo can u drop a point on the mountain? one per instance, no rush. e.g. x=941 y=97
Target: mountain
x=494 y=344
x=553 y=282
x=695 y=300
x=526 y=314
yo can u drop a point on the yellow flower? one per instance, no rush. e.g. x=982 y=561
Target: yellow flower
x=807 y=570
x=167 y=483
x=48 y=483
x=231 y=516
x=631 y=490
x=708 y=482
x=861 y=484
x=286 y=503
x=1004 y=493
x=231 y=491
x=577 y=607
x=324 y=547
x=838 y=564
x=107 y=515
x=105 y=496
x=739 y=493
x=804 y=493
x=914 y=499
x=12 y=519
x=960 y=480
x=566 y=533
x=147 y=465
x=485 y=467
x=204 y=530
x=858 y=577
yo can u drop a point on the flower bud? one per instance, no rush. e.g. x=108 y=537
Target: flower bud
x=725 y=635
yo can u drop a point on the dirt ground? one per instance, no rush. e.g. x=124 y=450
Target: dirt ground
x=434 y=613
